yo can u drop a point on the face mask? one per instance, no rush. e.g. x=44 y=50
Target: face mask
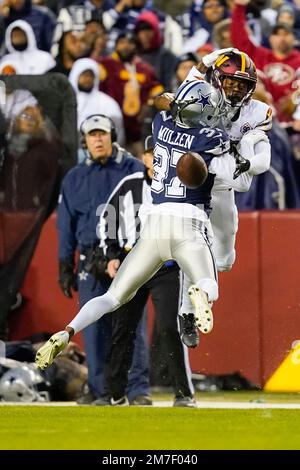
x=20 y=47
x=85 y=89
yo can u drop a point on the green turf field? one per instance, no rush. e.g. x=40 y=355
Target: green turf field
x=87 y=427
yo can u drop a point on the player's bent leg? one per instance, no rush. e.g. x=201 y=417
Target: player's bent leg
x=195 y=259
x=224 y=220
x=52 y=348
x=225 y=263
x=139 y=266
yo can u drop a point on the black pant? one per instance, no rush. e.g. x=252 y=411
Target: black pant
x=12 y=274
x=164 y=288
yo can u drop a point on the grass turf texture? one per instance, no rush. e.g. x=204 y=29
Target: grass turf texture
x=135 y=428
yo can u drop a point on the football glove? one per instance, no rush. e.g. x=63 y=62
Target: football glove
x=210 y=59
x=242 y=165
x=67 y=277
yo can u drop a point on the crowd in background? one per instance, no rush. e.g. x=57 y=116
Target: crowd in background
x=118 y=55
x=63 y=61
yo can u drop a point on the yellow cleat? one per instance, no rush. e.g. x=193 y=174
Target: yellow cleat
x=54 y=346
x=203 y=313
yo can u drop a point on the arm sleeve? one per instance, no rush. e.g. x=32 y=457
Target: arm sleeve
x=255 y=146
x=224 y=167
x=192 y=75
x=240 y=37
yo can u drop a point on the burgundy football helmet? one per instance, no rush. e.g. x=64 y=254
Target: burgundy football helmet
x=235 y=75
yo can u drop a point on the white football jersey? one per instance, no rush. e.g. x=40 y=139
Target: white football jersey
x=253 y=115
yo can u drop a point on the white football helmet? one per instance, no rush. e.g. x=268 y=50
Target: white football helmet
x=23 y=384
x=197 y=103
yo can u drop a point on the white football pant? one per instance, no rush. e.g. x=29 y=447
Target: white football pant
x=164 y=237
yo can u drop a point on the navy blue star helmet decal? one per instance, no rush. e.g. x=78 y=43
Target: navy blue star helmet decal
x=223 y=145
x=204 y=100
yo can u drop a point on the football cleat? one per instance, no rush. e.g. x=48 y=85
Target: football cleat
x=203 y=312
x=188 y=330
x=52 y=348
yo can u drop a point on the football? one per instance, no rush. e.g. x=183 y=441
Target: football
x=191 y=170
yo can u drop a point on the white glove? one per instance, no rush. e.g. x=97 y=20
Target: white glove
x=209 y=59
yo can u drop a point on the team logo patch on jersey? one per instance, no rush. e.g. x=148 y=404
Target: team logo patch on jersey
x=245 y=128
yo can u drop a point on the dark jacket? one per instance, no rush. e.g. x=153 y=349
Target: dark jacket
x=85 y=190
x=41 y=21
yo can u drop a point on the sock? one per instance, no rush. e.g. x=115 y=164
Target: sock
x=93 y=310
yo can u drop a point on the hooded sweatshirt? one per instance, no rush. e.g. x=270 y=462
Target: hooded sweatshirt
x=31 y=61
x=159 y=57
x=94 y=102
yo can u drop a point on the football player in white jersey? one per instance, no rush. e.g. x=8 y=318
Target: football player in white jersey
x=245 y=121
x=177 y=224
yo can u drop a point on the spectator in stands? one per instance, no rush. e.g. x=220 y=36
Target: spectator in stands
x=279 y=64
x=84 y=189
x=27 y=181
x=73 y=16
x=15 y=100
x=290 y=15
x=260 y=18
x=126 y=14
x=278 y=188
x=198 y=23
x=150 y=47
x=84 y=78
x=221 y=37
x=96 y=39
x=42 y=21
x=183 y=65
x=132 y=83
x=21 y=45
x=71 y=46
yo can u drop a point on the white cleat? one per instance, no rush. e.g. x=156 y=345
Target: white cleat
x=203 y=313
x=54 y=346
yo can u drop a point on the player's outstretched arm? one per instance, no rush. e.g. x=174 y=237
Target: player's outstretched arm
x=225 y=168
x=163 y=102
x=255 y=146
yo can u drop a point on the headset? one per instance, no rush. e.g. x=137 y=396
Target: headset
x=113 y=130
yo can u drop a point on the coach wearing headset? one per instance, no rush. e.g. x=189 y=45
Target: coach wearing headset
x=86 y=187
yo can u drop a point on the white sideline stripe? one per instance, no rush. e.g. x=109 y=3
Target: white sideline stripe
x=235 y=405
x=168 y=404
